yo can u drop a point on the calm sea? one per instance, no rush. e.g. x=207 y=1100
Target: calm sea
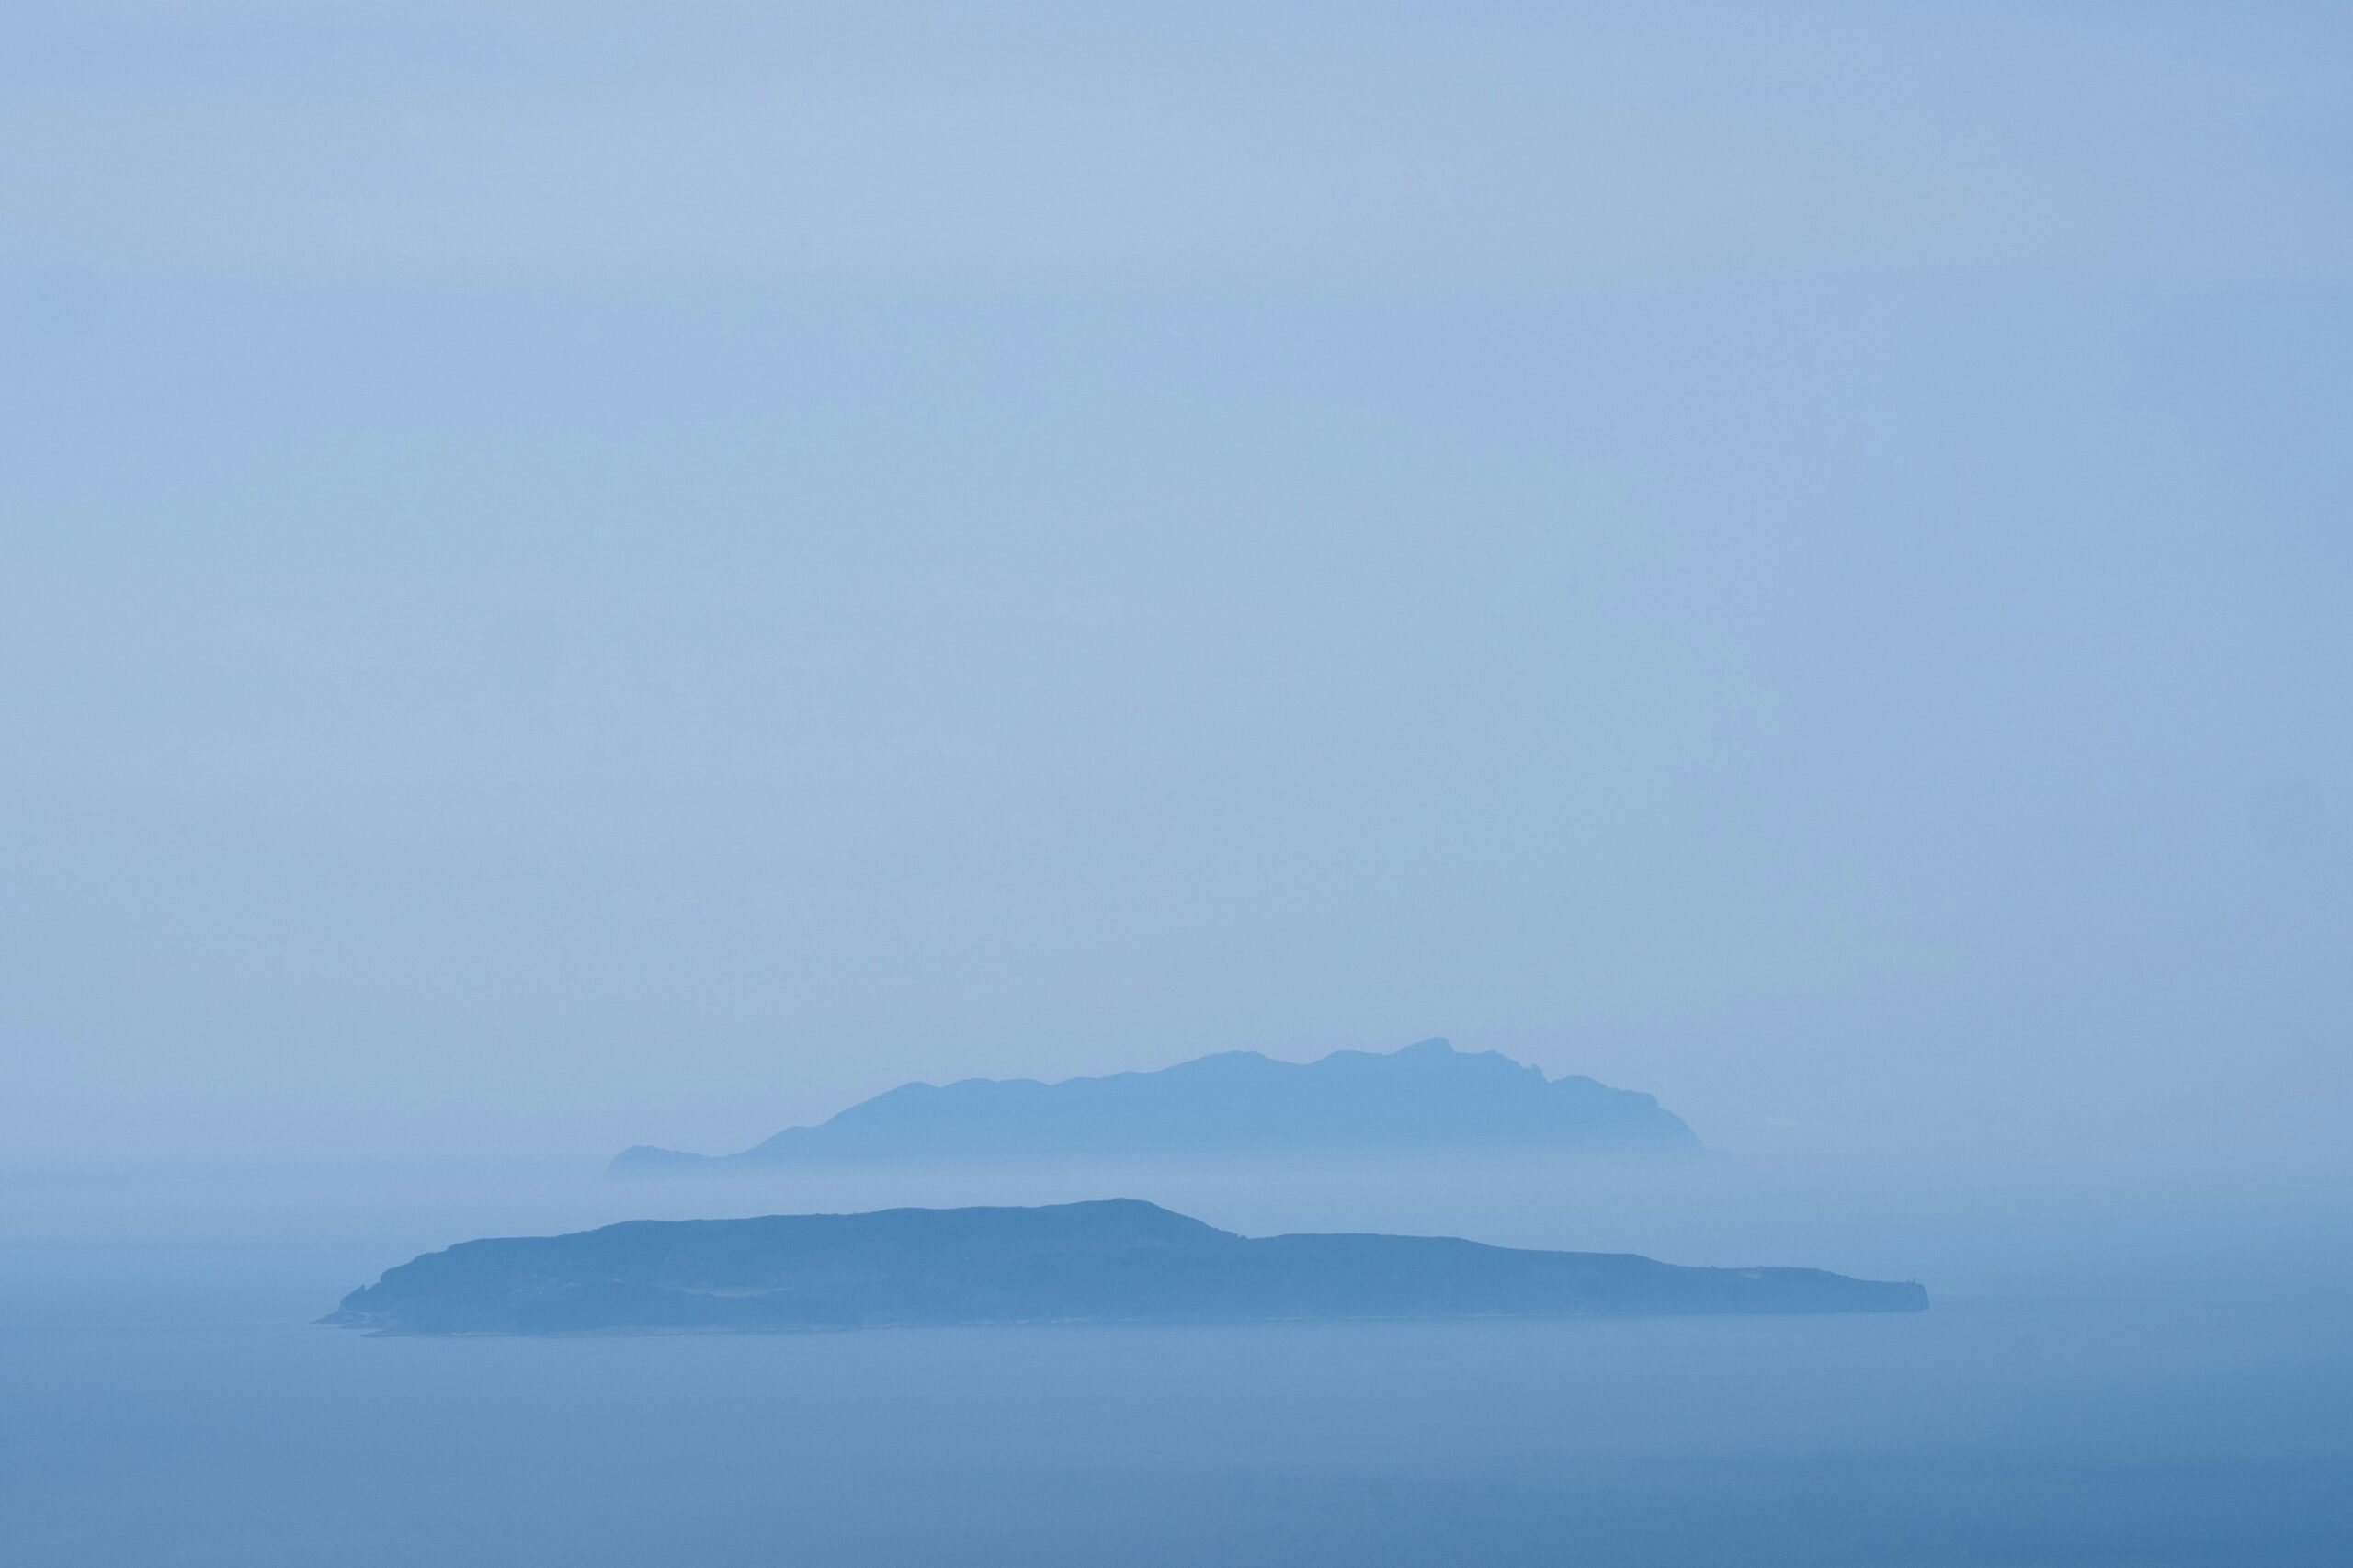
x=1986 y=1431
x=2142 y=1369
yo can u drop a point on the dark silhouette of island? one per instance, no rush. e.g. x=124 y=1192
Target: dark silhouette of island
x=1115 y=1261
x=1428 y=1098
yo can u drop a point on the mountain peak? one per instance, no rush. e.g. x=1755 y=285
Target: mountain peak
x=1426 y=1098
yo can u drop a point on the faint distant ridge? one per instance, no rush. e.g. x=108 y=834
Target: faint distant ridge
x=1428 y=1098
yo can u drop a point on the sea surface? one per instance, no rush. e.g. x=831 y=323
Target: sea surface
x=2133 y=1424
x=1981 y=1432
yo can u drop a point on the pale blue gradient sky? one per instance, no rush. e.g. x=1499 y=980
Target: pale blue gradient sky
x=578 y=574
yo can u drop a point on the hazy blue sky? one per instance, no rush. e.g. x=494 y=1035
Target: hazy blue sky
x=577 y=574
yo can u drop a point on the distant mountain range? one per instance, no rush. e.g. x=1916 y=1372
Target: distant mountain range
x=1428 y=1098
x=1120 y=1261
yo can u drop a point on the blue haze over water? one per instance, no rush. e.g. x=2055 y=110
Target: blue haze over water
x=575 y=574
x=1980 y=1433
x=2118 y=1372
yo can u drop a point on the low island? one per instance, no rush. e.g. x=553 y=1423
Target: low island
x=1115 y=1261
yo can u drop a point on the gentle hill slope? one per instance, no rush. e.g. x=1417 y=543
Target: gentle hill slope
x=1105 y=1262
